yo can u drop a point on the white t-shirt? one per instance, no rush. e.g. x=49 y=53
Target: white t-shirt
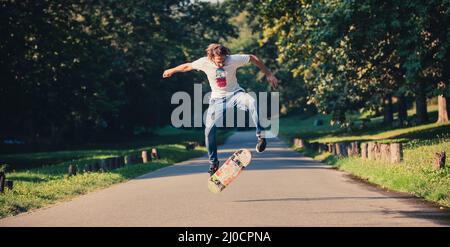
x=222 y=80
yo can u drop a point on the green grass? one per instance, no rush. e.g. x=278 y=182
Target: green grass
x=407 y=133
x=166 y=135
x=39 y=186
x=414 y=175
x=303 y=127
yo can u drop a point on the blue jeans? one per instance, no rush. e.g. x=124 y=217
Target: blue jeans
x=217 y=107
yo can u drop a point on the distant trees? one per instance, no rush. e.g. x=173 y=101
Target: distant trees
x=358 y=55
x=81 y=70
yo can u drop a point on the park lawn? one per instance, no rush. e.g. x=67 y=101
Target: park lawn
x=40 y=186
x=166 y=135
x=414 y=175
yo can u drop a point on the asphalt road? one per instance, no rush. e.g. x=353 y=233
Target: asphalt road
x=279 y=188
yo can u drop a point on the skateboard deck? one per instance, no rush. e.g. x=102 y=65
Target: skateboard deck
x=229 y=170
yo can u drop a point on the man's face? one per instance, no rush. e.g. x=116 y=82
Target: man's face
x=219 y=60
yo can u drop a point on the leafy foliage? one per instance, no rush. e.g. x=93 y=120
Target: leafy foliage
x=350 y=55
x=86 y=70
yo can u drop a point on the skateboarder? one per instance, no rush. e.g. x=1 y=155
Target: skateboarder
x=220 y=67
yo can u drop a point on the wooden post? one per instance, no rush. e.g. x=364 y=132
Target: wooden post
x=439 y=162
x=364 y=151
x=107 y=164
x=111 y=163
x=299 y=143
x=155 y=154
x=322 y=148
x=371 y=151
x=330 y=147
x=72 y=170
x=86 y=168
x=337 y=148
x=385 y=153
x=117 y=162
x=396 y=152
x=120 y=161
x=144 y=157
x=9 y=184
x=2 y=181
x=189 y=146
x=355 y=149
x=377 y=151
x=104 y=165
x=334 y=149
x=343 y=149
x=127 y=159
x=137 y=158
x=349 y=148
x=192 y=145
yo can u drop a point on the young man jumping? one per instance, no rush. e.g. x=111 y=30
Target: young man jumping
x=220 y=67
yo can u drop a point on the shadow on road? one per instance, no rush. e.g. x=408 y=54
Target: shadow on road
x=440 y=217
x=279 y=156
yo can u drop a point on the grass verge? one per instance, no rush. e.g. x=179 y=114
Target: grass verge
x=47 y=184
x=414 y=175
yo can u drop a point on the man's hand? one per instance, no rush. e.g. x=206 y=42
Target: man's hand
x=167 y=73
x=272 y=80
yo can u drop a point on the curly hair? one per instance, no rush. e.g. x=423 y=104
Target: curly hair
x=217 y=50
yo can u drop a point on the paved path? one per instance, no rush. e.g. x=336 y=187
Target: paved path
x=279 y=188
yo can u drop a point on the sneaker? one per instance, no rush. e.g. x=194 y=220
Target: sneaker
x=261 y=145
x=213 y=168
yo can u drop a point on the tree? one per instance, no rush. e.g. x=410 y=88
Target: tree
x=358 y=55
x=91 y=70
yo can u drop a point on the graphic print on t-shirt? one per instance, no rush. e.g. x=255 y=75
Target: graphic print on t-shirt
x=221 y=79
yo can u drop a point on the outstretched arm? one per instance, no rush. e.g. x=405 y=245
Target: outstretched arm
x=180 y=68
x=270 y=77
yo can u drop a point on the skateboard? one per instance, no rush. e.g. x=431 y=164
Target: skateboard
x=229 y=170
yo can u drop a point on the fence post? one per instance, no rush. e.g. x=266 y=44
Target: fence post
x=396 y=152
x=364 y=151
x=2 y=181
x=144 y=156
x=439 y=162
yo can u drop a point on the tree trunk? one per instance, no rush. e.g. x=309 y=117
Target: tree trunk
x=402 y=109
x=55 y=135
x=421 y=104
x=387 y=108
x=442 y=106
